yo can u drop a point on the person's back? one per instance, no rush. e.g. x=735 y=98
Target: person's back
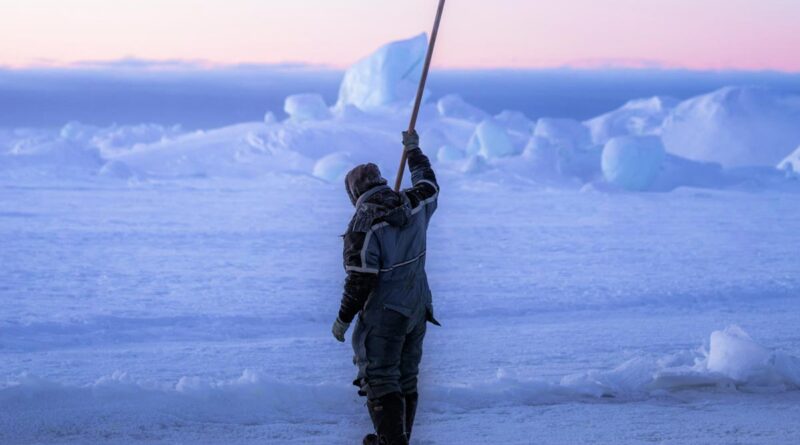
x=386 y=285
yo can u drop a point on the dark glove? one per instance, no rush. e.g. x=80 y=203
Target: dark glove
x=339 y=328
x=410 y=140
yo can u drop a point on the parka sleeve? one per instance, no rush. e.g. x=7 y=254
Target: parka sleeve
x=362 y=264
x=357 y=287
x=425 y=188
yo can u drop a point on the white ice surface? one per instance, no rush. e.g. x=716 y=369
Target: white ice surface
x=164 y=286
x=199 y=310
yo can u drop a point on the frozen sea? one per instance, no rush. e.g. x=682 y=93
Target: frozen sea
x=199 y=311
x=175 y=284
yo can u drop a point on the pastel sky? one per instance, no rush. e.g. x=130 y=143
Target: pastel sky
x=697 y=34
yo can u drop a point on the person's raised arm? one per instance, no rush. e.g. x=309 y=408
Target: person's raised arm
x=425 y=188
x=418 y=163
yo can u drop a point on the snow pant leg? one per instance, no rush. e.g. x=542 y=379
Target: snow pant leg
x=411 y=356
x=360 y=353
x=383 y=347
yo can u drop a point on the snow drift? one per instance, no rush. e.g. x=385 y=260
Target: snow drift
x=638 y=117
x=732 y=360
x=306 y=107
x=735 y=127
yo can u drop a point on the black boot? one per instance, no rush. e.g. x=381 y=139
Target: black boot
x=372 y=439
x=388 y=416
x=411 y=411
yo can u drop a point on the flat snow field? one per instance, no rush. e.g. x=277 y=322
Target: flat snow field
x=199 y=312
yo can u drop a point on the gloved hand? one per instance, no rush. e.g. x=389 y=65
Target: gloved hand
x=339 y=328
x=410 y=140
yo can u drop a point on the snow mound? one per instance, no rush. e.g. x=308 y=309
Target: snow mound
x=474 y=165
x=734 y=354
x=365 y=141
x=388 y=76
x=117 y=138
x=515 y=122
x=567 y=133
x=632 y=162
x=453 y=106
x=576 y=156
x=491 y=140
x=269 y=118
x=437 y=132
x=677 y=171
x=732 y=359
x=637 y=117
x=47 y=156
x=735 y=126
x=333 y=167
x=116 y=169
x=448 y=153
x=543 y=156
x=77 y=151
x=306 y=107
x=237 y=151
x=792 y=162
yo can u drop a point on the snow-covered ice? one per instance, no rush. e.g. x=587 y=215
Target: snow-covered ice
x=631 y=162
x=387 y=77
x=710 y=141
x=566 y=132
x=448 y=153
x=792 y=162
x=455 y=107
x=632 y=278
x=201 y=309
x=735 y=127
x=333 y=166
x=490 y=140
x=306 y=107
x=637 y=117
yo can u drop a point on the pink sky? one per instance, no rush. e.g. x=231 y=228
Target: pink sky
x=698 y=34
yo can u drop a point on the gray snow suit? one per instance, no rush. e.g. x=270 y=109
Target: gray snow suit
x=386 y=284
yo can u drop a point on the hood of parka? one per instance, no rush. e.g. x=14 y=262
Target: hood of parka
x=374 y=200
x=361 y=179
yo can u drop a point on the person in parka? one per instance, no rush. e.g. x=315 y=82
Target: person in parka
x=386 y=286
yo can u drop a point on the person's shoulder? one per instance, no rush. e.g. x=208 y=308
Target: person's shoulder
x=423 y=192
x=364 y=218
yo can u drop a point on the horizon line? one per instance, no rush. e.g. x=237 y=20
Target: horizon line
x=136 y=64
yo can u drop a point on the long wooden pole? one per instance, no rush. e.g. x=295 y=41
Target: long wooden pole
x=420 y=90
